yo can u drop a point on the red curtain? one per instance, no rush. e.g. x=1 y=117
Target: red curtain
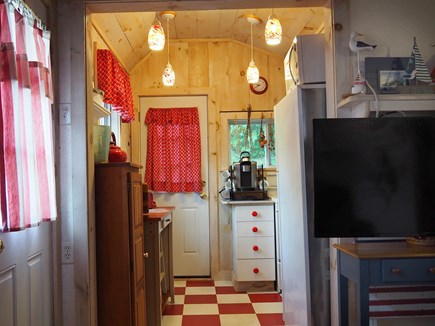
x=173 y=150
x=27 y=179
x=115 y=82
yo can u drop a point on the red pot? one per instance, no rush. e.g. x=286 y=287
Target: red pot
x=116 y=154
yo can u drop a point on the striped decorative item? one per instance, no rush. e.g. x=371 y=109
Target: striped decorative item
x=401 y=301
x=27 y=179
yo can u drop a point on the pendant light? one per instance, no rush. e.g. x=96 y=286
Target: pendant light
x=156 y=36
x=252 y=73
x=168 y=76
x=273 y=30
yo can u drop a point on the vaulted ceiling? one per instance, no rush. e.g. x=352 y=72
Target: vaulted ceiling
x=126 y=32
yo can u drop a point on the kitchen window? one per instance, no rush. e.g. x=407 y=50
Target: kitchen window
x=258 y=140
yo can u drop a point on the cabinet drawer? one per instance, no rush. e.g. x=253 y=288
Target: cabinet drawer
x=410 y=270
x=255 y=229
x=255 y=270
x=252 y=247
x=253 y=213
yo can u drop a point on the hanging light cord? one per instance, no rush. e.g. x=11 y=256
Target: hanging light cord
x=252 y=47
x=167 y=27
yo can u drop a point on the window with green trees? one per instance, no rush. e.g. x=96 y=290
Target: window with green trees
x=257 y=138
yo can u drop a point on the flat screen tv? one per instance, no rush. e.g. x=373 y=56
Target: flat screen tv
x=374 y=177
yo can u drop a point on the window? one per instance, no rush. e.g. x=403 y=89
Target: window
x=242 y=140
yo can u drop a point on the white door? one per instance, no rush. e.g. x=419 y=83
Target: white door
x=191 y=244
x=26 y=277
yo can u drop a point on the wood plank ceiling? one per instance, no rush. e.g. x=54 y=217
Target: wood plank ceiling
x=126 y=33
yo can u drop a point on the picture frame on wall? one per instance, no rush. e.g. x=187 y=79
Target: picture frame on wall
x=385 y=74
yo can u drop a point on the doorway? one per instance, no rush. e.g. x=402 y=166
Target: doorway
x=191 y=222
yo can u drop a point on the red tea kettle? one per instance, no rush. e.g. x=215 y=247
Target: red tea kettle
x=116 y=154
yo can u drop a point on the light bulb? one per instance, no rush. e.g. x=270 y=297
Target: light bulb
x=252 y=73
x=156 y=37
x=168 y=76
x=273 y=31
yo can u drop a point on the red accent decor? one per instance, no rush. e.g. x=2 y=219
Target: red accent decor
x=115 y=82
x=255 y=248
x=173 y=150
x=256 y=270
x=254 y=229
x=27 y=178
x=254 y=213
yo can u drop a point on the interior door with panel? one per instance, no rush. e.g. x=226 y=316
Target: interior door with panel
x=26 y=286
x=191 y=236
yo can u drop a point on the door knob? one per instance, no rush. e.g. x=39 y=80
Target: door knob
x=2 y=246
x=203 y=195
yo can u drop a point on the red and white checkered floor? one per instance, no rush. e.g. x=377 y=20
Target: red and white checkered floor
x=215 y=303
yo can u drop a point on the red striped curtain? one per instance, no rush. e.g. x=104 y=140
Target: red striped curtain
x=115 y=83
x=27 y=180
x=173 y=161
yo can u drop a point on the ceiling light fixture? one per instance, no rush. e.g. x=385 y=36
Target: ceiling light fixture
x=252 y=73
x=273 y=30
x=168 y=76
x=156 y=35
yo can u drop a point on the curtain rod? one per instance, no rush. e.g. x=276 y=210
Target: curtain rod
x=24 y=9
x=244 y=110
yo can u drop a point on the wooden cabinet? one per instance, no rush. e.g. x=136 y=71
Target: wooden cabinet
x=119 y=245
x=159 y=264
x=253 y=243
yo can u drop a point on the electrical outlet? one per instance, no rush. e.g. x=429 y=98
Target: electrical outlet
x=67 y=253
x=65 y=114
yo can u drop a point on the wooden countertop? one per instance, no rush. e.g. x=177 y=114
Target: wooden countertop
x=386 y=250
x=158 y=213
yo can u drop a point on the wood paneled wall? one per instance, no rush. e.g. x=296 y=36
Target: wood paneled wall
x=215 y=64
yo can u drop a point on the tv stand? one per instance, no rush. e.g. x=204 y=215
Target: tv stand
x=421 y=241
x=375 y=264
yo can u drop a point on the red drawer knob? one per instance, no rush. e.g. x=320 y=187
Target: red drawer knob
x=256 y=270
x=255 y=248
x=254 y=213
x=254 y=229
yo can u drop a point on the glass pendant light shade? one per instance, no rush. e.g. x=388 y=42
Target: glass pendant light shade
x=156 y=36
x=168 y=76
x=252 y=73
x=273 y=31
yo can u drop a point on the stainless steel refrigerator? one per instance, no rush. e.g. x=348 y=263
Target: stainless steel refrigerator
x=304 y=258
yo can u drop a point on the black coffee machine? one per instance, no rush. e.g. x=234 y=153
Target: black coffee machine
x=245 y=176
x=245 y=173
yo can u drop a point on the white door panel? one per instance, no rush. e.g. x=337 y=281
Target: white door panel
x=26 y=277
x=191 y=244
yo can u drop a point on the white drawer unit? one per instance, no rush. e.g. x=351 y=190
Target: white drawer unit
x=254 y=242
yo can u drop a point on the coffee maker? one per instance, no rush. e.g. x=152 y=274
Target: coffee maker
x=245 y=173
x=245 y=176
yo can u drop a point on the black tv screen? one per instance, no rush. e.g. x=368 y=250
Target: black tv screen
x=374 y=177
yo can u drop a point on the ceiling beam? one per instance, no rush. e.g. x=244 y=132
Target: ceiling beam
x=152 y=5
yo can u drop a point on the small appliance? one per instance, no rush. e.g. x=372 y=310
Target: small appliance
x=245 y=178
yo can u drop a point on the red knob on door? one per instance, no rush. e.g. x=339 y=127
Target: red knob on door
x=255 y=248
x=254 y=213
x=256 y=270
x=254 y=229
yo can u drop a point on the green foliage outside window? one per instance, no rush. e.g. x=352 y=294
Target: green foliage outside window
x=241 y=140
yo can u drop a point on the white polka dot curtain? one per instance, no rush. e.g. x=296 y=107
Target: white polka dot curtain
x=27 y=180
x=173 y=161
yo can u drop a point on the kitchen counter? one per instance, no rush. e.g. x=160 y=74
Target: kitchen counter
x=158 y=213
x=248 y=202
x=159 y=263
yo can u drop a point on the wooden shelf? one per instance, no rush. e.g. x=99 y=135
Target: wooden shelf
x=99 y=111
x=414 y=102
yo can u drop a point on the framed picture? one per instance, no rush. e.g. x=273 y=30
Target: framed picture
x=385 y=74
